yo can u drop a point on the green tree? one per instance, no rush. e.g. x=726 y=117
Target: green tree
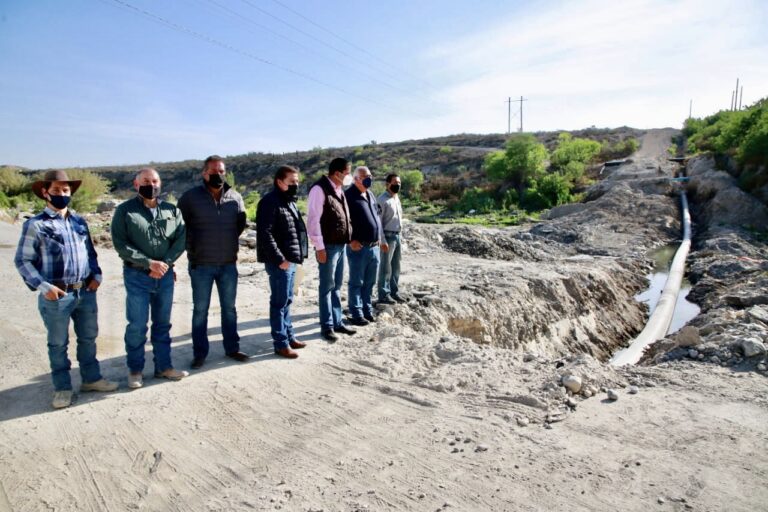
x=522 y=161
x=411 y=183
x=12 y=181
x=251 y=201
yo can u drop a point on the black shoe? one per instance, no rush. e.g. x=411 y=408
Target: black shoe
x=238 y=356
x=387 y=300
x=399 y=299
x=329 y=335
x=344 y=329
x=362 y=322
x=197 y=363
x=370 y=318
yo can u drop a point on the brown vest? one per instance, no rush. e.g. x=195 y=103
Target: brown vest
x=335 y=224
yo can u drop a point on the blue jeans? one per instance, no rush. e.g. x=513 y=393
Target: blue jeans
x=280 y=300
x=203 y=277
x=363 y=265
x=389 y=270
x=80 y=306
x=329 y=293
x=143 y=294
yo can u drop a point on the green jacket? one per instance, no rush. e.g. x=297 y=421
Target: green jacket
x=139 y=238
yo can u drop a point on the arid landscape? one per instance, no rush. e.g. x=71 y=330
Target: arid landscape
x=489 y=390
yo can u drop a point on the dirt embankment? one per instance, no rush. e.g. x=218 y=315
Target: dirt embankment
x=486 y=391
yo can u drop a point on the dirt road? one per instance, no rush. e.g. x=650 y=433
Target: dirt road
x=390 y=419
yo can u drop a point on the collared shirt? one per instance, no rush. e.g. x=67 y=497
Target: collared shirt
x=391 y=212
x=139 y=237
x=55 y=248
x=315 y=202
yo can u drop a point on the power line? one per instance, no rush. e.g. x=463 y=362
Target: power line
x=181 y=28
x=236 y=15
x=348 y=42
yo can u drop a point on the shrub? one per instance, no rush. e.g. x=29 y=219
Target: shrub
x=12 y=181
x=446 y=150
x=251 y=201
x=573 y=150
x=411 y=183
x=482 y=201
x=90 y=191
x=522 y=161
x=555 y=189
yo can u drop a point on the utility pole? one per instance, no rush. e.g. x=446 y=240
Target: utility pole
x=736 y=92
x=733 y=93
x=741 y=96
x=690 y=108
x=509 y=115
x=521 y=114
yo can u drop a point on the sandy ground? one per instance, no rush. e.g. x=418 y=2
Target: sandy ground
x=390 y=419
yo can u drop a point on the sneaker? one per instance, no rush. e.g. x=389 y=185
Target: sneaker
x=387 y=300
x=362 y=322
x=171 y=374
x=102 y=385
x=62 y=399
x=135 y=380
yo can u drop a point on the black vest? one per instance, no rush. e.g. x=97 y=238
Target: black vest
x=335 y=225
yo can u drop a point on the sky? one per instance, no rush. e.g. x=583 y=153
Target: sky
x=123 y=82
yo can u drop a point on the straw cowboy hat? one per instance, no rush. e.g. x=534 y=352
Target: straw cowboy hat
x=50 y=176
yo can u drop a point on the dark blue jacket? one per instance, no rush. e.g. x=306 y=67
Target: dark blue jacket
x=281 y=234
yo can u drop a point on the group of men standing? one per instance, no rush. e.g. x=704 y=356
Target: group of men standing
x=56 y=256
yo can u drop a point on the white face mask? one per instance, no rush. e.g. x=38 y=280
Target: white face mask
x=347 y=181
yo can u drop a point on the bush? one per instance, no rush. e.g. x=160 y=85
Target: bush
x=446 y=150
x=90 y=191
x=573 y=150
x=411 y=183
x=251 y=201
x=522 y=161
x=4 y=201
x=12 y=181
x=477 y=199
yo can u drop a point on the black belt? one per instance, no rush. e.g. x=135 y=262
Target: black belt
x=391 y=232
x=128 y=264
x=68 y=287
x=372 y=244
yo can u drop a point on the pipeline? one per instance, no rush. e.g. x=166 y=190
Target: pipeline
x=658 y=324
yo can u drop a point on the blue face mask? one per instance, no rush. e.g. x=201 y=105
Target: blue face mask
x=367 y=182
x=59 y=202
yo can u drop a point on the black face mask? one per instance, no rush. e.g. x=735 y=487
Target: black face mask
x=59 y=202
x=149 y=191
x=395 y=188
x=215 y=180
x=293 y=191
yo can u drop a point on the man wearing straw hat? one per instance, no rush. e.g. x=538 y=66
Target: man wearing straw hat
x=56 y=257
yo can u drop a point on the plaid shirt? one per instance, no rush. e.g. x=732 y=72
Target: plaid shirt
x=53 y=248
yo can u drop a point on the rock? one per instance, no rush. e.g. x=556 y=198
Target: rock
x=245 y=270
x=528 y=357
x=693 y=354
x=572 y=383
x=555 y=417
x=586 y=393
x=752 y=347
x=759 y=313
x=633 y=390
x=481 y=448
x=613 y=395
x=660 y=500
x=522 y=421
x=106 y=206
x=762 y=367
x=714 y=360
x=570 y=402
x=688 y=336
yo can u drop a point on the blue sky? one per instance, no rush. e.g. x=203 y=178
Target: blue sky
x=99 y=82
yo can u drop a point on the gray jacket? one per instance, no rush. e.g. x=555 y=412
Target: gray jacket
x=213 y=229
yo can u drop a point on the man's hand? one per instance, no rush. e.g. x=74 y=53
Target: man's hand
x=93 y=285
x=321 y=256
x=155 y=275
x=384 y=247
x=285 y=265
x=355 y=245
x=158 y=267
x=55 y=293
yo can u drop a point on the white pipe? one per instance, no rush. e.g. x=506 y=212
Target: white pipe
x=659 y=321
